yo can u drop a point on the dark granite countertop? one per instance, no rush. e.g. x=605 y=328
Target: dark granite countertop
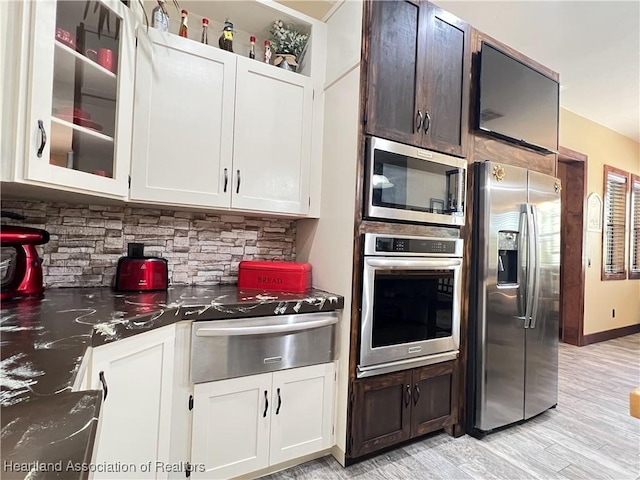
x=50 y=437
x=43 y=341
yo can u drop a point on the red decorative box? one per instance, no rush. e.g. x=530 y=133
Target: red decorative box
x=274 y=276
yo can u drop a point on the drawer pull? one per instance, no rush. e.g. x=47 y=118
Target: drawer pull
x=225 y=331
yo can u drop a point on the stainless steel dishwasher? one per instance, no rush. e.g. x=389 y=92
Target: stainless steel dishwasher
x=233 y=348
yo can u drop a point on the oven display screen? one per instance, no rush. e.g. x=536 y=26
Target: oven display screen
x=412 y=306
x=411 y=245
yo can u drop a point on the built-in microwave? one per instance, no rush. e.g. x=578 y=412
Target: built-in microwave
x=413 y=184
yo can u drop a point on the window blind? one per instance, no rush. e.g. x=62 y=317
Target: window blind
x=615 y=219
x=634 y=241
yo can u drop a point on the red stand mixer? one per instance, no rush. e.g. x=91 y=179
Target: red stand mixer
x=20 y=264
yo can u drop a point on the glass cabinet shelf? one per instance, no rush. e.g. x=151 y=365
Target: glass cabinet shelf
x=96 y=79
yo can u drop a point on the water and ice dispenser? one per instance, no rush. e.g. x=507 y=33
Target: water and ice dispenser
x=507 y=257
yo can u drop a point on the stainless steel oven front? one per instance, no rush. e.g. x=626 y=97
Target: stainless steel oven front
x=410 y=302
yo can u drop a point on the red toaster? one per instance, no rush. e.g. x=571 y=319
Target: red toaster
x=137 y=273
x=274 y=276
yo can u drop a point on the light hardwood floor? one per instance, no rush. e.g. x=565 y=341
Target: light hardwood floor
x=590 y=435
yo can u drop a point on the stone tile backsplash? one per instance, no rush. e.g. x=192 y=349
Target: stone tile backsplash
x=201 y=248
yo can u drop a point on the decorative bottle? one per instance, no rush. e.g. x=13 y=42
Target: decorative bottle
x=267 y=51
x=160 y=17
x=226 y=39
x=205 y=30
x=252 y=49
x=184 y=28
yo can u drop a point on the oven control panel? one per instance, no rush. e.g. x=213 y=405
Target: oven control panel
x=415 y=245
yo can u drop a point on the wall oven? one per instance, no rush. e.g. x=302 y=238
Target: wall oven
x=410 y=302
x=409 y=183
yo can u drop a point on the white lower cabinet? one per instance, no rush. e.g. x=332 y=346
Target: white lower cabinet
x=246 y=424
x=135 y=418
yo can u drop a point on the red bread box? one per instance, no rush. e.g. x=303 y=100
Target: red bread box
x=274 y=276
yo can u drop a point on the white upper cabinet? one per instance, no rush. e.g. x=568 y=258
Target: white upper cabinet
x=215 y=129
x=80 y=97
x=221 y=130
x=272 y=141
x=183 y=122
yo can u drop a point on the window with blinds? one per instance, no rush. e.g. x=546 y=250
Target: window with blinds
x=634 y=229
x=615 y=224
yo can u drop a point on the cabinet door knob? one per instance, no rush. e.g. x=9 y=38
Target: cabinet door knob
x=266 y=404
x=416 y=397
x=43 y=138
x=279 y=403
x=226 y=180
x=407 y=396
x=427 y=122
x=418 y=120
x=105 y=389
x=238 y=186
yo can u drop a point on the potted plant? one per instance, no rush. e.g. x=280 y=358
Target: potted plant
x=288 y=44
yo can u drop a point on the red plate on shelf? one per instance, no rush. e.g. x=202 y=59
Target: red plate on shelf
x=83 y=122
x=66 y=38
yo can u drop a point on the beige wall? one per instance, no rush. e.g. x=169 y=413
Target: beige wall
x=603 y=146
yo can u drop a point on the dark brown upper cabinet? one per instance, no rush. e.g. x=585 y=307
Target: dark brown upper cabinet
x=419 y=65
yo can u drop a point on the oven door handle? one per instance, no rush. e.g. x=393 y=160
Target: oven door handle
x=264 y=329
x=413 y=264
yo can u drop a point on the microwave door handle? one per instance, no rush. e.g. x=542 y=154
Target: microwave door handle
x=461 y=182
x=535 y=236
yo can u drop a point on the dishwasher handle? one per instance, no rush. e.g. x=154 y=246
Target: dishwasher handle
x=227 y=331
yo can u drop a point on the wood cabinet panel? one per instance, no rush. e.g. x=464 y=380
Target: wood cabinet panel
x=396 y=45
x=447 y=82
x=434 y=398
x=381 y=412
x=392 y=408
x=419 y=64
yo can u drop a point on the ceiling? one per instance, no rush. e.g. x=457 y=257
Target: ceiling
x=593 y=45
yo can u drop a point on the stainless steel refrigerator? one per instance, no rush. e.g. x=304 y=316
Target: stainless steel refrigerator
x=514 y=317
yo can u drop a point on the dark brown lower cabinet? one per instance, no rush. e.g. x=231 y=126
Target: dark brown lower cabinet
x=389 y=409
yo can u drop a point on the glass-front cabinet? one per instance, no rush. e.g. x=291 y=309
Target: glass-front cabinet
x=81 y=95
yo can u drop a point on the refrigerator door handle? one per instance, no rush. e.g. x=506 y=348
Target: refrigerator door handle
x=535 y=234
x=530 y=266
x=523 y=273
